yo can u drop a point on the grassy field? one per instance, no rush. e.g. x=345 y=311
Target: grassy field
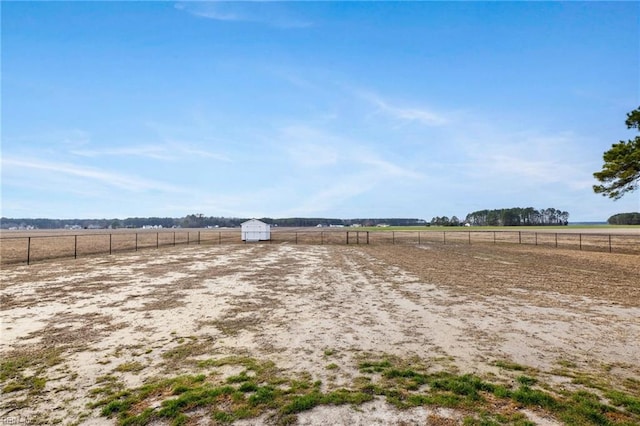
x=324 y=334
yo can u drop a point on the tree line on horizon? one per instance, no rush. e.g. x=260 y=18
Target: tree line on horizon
x=498 y=217
x=518 y=216
x=625 y=219
x=198 y=221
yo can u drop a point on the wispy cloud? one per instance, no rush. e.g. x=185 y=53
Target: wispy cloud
x=364 y=175
x=105 y=178
x=532 y=171
x=404 y=113
x=147 y=151
x=165 y=152
x=387 y=169
x=331 y=170
x=273 y=14
x=309 y=146
x=529 y=159
x=332 y=195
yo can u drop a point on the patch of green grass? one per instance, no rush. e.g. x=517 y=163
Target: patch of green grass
x=14 y=364
x=302 y=403
x=526 y=381
x=240 y=378
x=588 y=380
x=466 y=385
x=198 y=396
x=248 y=387
x=261 y=388
x=508 y=365
x=264 y=395
x=584 y=408
x=493 y=419
x=619 y=399
x=222 y=417
x=346 y=396
x=251 y=364
x=315 y=398
x=332 y=366
x=374 y=366
x=25 y=370
x=534 y=398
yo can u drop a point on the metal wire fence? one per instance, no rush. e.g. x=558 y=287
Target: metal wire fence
x=38 y=247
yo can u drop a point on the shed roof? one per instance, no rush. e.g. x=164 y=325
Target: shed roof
x=254 y=221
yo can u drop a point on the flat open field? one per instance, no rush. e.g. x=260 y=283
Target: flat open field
x=324 y=334
x=38 y=245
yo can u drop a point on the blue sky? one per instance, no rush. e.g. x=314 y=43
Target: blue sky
x=330 y=109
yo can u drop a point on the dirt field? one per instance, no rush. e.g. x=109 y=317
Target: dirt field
x=307 y=334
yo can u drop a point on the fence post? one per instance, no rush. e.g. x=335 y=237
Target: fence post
x=219 y=237
x=536 y=235
x=321 y=238
x=188 y=237
x=136 y=241
x=75 y=247
x=28 y=250
x=469 y=237
x=347 y=237
x=174 y=238
x=198 y=237
x=393 y=236
x=367 y=237
x=556 y=240
x=157 y=239
x=519 y=237
x=609 y=243
x=580 y=241
x=358 y=237
x=296 y=238
x=444 y=237
x=418 y=238
x=494 y=237
x=109 y=243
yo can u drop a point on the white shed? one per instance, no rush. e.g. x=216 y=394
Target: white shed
x=255 y=230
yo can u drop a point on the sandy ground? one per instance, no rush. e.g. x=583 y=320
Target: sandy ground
x=459 y=308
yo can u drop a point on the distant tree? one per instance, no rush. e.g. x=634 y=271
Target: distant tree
x=518 y=216
x=440 y=221
x=564 y=218
x=625 y=219
x=621 y=169
x=493 y=217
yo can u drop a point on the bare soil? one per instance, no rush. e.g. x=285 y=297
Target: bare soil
x=133 y=317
